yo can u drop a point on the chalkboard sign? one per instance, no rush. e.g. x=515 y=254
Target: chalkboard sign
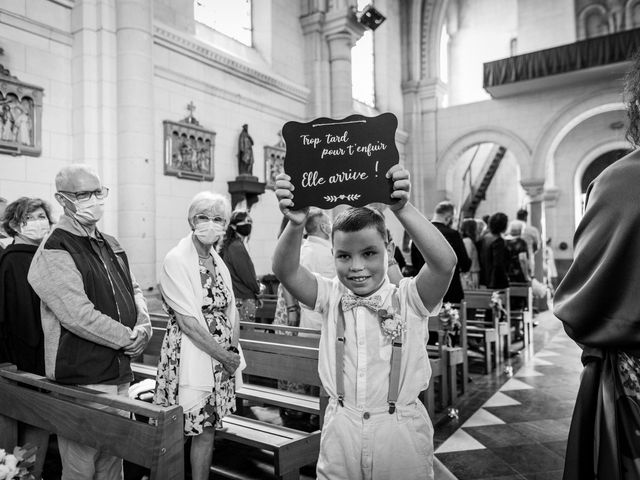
x=333 y=162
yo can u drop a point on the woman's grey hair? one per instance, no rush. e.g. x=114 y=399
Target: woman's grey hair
x=207 y=200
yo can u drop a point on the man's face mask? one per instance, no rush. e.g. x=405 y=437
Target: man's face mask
x=86 y=207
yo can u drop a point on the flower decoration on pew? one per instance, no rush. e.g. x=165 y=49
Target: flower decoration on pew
x=497 y=305
x=449 y=322
x=391 y=323
x=18 y=464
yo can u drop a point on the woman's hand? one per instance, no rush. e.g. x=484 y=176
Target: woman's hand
x=230 y=361
x=284 y=193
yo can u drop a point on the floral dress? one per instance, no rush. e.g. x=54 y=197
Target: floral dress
x=222 y=401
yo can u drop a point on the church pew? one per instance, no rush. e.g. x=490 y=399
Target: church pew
x=70 y=412
x=456 y=362
x=522 y=293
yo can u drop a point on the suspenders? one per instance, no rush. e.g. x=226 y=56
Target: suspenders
x=396 y=357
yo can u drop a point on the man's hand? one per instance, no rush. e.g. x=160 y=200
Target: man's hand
x=284 y=194
x=401 y=186
x=138 y=343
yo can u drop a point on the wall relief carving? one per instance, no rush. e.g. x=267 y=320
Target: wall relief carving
x=274 y=161
x=20 y=116
x=188 y=148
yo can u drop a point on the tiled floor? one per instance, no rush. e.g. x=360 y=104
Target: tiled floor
x=520 y=431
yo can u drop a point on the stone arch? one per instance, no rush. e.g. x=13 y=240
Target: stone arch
x=581 y=109
x=585 y=13
x=433 y=16
x=582 y=167
x=500 y=136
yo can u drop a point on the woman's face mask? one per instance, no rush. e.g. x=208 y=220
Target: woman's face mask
x=244 y=230
x=35 y=229
x=209 y=232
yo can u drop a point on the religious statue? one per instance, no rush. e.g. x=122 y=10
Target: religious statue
x=245 y=152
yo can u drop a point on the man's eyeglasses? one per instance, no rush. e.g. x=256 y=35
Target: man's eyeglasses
x=201 y=218
x=84 y=196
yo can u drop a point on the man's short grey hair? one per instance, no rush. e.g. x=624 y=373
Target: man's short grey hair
x=70 y=171
x=207 y=200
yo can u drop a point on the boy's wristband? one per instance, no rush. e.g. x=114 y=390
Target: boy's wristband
x=293 y=308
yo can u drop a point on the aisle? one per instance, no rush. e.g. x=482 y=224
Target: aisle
x=520 y=432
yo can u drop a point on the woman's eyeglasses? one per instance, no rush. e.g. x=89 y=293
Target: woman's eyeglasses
x=201 y=218
x=84 y=196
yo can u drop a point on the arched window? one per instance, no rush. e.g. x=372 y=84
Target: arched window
x=362 y=66
x=444 y=54
x=231 y=18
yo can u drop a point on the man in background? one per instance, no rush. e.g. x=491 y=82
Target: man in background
x=317 y=256
x=443 y=217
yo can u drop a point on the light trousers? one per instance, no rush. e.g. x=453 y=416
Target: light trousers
x=81 y=462
x=376 y=445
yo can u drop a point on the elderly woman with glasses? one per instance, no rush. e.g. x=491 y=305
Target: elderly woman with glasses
x=199 y=355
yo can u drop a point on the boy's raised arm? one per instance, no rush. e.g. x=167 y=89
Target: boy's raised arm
x=298 y=280
x=434 y=277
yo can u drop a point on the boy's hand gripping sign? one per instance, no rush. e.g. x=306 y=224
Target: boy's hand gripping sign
x=332 y=162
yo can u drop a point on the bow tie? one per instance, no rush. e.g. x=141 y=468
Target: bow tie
x=350 y=301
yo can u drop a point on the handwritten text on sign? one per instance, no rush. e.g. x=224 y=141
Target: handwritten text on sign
x=331 y=162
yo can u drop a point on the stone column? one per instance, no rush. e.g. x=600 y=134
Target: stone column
x=316 y=65
x=136 y=171
x=341 y=30
x=535 y=191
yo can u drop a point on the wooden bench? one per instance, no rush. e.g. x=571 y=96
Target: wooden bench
x=522 y=293
x=481 y=315
x=266 y=312
x=66 y=411
x=303 y=368
x=455 y=358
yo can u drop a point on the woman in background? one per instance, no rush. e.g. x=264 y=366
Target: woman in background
x=27 y=220
x=468 y=230
x=243 y=273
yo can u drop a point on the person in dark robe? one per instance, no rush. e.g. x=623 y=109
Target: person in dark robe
x=492 y=252
x=597 y=301
x=27 y=220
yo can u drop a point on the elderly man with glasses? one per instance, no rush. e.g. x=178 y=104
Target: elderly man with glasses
x=94 y=315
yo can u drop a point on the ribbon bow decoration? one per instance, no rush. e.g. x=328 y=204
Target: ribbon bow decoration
x=350 y=301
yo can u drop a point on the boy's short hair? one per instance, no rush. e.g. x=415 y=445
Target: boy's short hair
x=355 y=219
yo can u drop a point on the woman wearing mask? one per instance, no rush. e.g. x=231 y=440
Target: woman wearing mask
x=200 y=353
x=243 y=273
x=27 y=220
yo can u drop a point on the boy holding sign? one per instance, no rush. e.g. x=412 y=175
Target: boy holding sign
x=373 y=361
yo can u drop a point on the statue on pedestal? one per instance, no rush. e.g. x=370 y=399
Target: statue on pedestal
x=245 y=152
